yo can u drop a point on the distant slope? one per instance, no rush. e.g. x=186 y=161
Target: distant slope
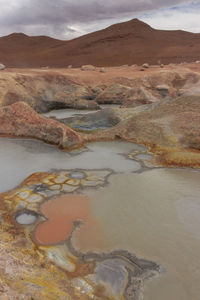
x=132 y=42
x=17 y=49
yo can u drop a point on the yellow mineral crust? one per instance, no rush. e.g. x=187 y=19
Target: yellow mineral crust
x=30 y=271
x=58 y=271
x=39 y=186
x=176 y=157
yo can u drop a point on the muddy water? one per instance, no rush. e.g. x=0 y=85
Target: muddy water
x=155 y=213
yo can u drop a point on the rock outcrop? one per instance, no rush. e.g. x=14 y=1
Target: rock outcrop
x=88 y=68
x=115 y=94
x=20 y=120
x=141 y=96
x=45 y=91
x=2 y=67
x=76 y=97
x=168 y=128
x=146 y=65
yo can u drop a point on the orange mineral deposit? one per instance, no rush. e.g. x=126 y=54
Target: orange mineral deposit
x=61 y=212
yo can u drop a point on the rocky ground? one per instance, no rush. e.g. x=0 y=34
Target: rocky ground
x=159 y=107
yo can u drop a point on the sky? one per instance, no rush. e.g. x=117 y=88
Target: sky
x=67 y=19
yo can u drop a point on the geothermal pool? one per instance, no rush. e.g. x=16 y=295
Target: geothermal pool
x=151 y=212
x=70 y=112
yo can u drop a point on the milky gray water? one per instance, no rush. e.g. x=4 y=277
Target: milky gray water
x=66 y=113
x=152 y=213
x=20 y=158
x=156 y=215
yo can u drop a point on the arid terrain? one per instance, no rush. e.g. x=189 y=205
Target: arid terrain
x=74 y=217
x=132 y=42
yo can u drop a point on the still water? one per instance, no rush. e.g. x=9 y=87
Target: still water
x=153 y=213
x=20 y=158
x=66 y=113
x=156 y=215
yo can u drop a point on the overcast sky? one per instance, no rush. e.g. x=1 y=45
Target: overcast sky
x=67 y=19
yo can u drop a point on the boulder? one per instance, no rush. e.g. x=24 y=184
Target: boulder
x=20 y=120
x=72 y=93
x=141 y=97
x=77 y=97
x=114 y=94
x=162 y=87
x=102 y=70
x=86 y=104
x=146 y=66
x=96 y=90
x=88 y=68
x=163 y=90
x=2 y=67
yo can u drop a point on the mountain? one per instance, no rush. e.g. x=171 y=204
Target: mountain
x=132 y=42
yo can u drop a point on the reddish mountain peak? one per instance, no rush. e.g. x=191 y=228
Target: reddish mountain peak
x=135 y=24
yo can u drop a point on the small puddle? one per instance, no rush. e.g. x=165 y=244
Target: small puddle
x=26 y=217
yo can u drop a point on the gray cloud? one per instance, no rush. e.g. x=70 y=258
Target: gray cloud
x=70 y=18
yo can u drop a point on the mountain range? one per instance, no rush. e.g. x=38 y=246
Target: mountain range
x=132 y=42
